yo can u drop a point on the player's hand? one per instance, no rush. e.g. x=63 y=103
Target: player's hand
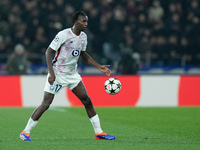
x=105 y=69
x=51 y=78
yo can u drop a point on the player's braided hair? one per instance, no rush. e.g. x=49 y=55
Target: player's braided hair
x=76 y=15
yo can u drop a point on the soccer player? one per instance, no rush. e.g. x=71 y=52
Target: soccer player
x=68 y=44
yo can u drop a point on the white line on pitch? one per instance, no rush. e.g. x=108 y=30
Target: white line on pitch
x=57 y=109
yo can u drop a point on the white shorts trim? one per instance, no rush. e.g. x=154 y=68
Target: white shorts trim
x=62 y=81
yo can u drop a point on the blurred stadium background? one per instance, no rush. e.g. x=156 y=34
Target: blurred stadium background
x=133 y=36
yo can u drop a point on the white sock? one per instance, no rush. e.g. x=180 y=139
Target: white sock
x=30 y=125
x=96 y=124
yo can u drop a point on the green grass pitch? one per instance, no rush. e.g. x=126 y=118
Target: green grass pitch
x=135 y=128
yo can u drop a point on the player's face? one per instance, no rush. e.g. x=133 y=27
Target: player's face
x=81 y=23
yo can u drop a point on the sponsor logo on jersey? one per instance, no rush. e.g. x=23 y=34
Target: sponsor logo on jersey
x=75 y=53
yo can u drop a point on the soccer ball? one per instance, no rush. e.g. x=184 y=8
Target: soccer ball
x=112 y=86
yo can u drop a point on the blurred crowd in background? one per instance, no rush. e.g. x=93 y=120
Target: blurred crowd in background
x=127 y=34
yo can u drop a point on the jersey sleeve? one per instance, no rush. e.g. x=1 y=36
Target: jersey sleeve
x=84 y=43
x=58 y=41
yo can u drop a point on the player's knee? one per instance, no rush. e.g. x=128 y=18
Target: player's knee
x=86 y=101
x=46 y=103
x=44 y=106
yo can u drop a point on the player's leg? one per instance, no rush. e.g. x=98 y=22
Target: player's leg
x=47 y=100
x=32 y=122
x=81 y=92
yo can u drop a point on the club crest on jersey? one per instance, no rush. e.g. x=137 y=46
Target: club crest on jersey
x=56 y=39
x=75 y=53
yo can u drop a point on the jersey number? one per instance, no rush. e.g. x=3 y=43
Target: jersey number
x=58 y=87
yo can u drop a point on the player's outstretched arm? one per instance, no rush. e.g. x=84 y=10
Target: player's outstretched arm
x=89 y=60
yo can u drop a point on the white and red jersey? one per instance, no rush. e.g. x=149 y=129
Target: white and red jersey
x=68 y=47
